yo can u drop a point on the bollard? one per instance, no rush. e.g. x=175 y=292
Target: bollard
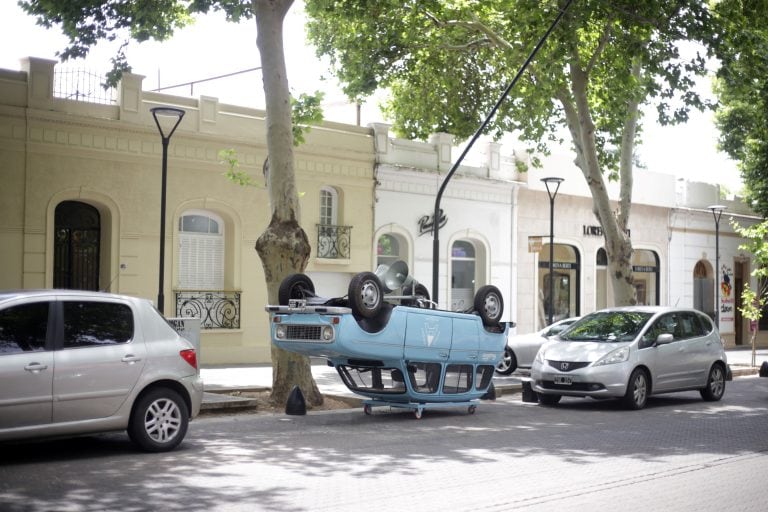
x=529 y=395
x=296 y=405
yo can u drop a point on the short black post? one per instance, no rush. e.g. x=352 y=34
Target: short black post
x=529 y=395
x=296 y=405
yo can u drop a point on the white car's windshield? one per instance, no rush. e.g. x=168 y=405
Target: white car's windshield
x=607 y=326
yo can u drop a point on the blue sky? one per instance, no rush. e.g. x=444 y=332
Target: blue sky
x=213 y=47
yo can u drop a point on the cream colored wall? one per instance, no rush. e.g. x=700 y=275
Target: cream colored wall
x=55 y=150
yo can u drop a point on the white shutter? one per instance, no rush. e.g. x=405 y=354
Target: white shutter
x=201 y=261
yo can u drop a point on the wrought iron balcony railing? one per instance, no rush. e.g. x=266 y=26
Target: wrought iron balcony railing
x=333 y=242
x=216 y=309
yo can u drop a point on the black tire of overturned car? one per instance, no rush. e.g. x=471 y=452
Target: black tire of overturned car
x=366 y=295
x=295 y=286
x=489 y=304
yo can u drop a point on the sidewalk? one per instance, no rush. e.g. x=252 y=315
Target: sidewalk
x=219 y=381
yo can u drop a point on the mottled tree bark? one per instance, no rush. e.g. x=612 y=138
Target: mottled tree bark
x=283 y=248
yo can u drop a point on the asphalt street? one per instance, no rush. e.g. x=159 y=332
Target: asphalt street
x=678 y=454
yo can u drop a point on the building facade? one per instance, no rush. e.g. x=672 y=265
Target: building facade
x=81 y=194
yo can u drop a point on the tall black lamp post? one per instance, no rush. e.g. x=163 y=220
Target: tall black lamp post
x=717 y=211
x=167 y=120
x=555 y=183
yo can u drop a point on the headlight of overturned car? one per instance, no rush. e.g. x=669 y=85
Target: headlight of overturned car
x=616 y=356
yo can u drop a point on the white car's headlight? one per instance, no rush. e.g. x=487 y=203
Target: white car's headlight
x=540 y=356
x=617 y=356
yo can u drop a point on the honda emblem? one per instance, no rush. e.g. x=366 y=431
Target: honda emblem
x=564 y=367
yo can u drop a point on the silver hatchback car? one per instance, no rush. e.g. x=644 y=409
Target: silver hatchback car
x=74 y=362
x=631 y=353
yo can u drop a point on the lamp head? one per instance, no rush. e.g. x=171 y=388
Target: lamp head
x=167 y=120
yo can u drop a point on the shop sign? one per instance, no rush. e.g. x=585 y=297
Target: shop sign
x=426 y=223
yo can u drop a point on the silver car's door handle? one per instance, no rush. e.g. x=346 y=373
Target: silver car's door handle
x=130 y=358
x=36 y=367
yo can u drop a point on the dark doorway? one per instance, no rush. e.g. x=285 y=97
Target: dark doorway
x=76 y=246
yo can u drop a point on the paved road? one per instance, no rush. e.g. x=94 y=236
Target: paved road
x=678 y=454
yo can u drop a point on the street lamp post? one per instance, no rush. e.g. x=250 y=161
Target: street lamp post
x=167 y=120
x=555 y=182
x=717 y=211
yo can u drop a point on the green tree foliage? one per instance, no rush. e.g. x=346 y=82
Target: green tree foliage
x=446 y=62
x=283 y=247
x=754 y=301
x=742 y=89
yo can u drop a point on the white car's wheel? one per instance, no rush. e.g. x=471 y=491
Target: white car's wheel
x=159 y=420
x=508 y=363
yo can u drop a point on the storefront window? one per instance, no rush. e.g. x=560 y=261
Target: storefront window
x=645 y=271
x=566 y=287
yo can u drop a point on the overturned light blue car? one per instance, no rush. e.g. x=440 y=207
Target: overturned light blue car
x=398 y=352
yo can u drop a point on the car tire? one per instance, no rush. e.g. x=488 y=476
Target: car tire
x=508 y=363
x=548 y=400
x=715 y=387
x=421 y=294
x=295 y=286
x=365 y=295
x=159 y=420
x=638 y=388
x=489 y=304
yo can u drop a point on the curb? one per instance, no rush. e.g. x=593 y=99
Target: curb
x=223 y=399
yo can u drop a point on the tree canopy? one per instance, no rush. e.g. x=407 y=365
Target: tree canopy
x=742 y=89
x=445 y=63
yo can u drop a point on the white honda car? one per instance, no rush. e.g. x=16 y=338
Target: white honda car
x=631 y=353
x=75 y=362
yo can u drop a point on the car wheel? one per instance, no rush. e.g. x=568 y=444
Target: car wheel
x=159 y=420
x=549 y=399
x=636 y=395
x=715 y=387
x=489 y=304
x=295 y=286
x=508 y=363
x=421 y=294
x=365 y=295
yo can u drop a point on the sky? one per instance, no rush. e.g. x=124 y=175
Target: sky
x=213 y=47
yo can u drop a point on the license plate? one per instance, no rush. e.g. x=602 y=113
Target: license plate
x=565 y=380
x=297 y=304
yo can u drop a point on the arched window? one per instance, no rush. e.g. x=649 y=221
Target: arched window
x=601 y=279
x=465 y=265
x=328 y=206
x=645 y=272
x=704 y=288
x=566 y=287
x=201 y=251
x=389 y=249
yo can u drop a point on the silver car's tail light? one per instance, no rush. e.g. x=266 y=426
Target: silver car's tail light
x=190 y=356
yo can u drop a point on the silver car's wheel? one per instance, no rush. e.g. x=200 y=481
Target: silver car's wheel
x=637 y=390
x=508 y=363
x=159 y=420
x=715 y=387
